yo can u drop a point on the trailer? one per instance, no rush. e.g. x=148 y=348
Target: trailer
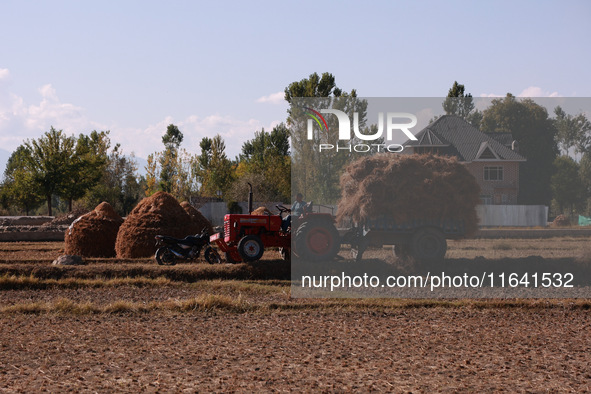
x=424 y=240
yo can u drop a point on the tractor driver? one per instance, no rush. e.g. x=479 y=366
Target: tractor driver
x=297 y=209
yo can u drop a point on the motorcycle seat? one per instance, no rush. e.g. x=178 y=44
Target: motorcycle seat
x=188 y=240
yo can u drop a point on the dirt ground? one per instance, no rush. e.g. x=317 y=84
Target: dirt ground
x=133 y=326
x=418 y=350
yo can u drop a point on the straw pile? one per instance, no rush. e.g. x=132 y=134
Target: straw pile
x=94 y=234
x=197 y=217
x=158 y=214
x=560 y=221
x=407 y=187
x=261 y=211
x=66 y=219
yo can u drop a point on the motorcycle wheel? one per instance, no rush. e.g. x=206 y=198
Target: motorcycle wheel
x=212 y=256
x=165 y=257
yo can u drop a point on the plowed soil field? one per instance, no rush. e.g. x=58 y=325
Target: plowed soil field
x=132 y=326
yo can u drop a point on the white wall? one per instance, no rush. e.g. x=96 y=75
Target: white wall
x=215 y=211
x=512 y=215
x=489 y=215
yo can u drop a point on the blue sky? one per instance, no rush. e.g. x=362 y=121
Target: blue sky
x=133 y=67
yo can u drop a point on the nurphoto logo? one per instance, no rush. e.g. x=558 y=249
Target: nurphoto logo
x=391 y=124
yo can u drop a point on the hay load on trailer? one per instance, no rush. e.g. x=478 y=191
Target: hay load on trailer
x=413 y=202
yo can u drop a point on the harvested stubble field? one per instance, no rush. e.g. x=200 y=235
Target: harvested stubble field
x=130 y=325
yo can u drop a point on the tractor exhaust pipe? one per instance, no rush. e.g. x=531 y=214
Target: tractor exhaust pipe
x=249 y=199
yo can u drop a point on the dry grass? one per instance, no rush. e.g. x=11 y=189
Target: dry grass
x=215 y=303
x=134 y=326
x=241 y=288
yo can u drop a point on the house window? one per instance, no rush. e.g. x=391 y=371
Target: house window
x=493 y=173
x=486 y=199
x=487 y=154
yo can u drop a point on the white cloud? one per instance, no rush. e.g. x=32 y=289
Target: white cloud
x=535 y=91
x=4 y=73
x=490 y=95
x=52 y=112
x=143 y=141
x=531 y=91
x=274 y=98
x=20 y=121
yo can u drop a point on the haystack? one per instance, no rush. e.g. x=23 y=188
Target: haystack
x=407 y=187
x=94 y=234
x=197 y=218
x=261 y=211
x=560 y=221
x=158 y=214
x=66 y=219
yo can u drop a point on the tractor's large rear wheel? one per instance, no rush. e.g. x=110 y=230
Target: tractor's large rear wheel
x=317 y=241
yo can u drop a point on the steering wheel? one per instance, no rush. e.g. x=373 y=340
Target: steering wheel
x=282 y=209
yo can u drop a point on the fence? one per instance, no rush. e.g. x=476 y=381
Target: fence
x=512 y=215
x=215 y=211
x=489 y=215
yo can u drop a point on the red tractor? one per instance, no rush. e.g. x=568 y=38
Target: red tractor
x=245 y=237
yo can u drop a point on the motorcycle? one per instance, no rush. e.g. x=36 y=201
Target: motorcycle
x=170 y=249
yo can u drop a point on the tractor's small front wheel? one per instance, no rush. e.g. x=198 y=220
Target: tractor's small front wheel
x=251 y=248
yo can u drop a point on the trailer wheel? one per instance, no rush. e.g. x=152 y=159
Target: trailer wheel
x=402 y=251
x=317 y=241
x=251 y=248
x=428 y=245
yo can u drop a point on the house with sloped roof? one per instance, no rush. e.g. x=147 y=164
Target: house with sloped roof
x=492 y=159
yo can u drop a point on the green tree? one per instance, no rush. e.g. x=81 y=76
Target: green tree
x=317 y=173
x=87 y=165
x=169 y=158
x=214 y=170
x=567 y=189
x=49 y=163
x=119 y=184
x=19 y=187
x=585 y=177
x=535 y=132
x=173 y=169
x=572 y=131
x=268 y=156
x=461 y=104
